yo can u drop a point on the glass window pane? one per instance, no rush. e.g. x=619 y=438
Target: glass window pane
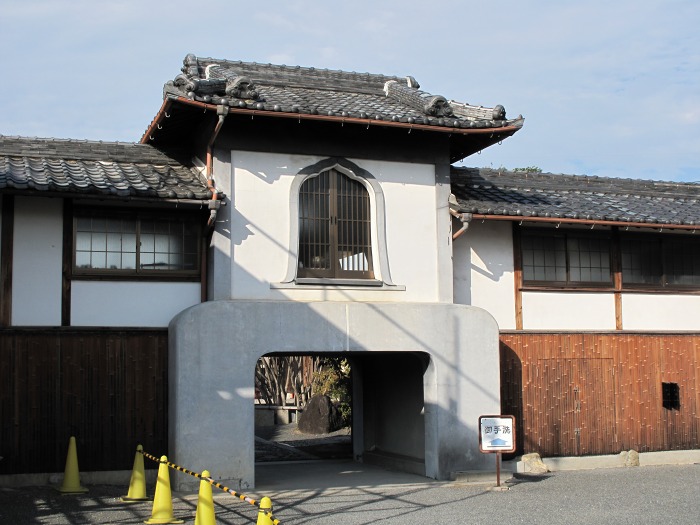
x=99 y=241
x=129 y=261
x=82 y=259
x=147 y=243
x=129 y=242
x=99 y=260
x=83 y=241
x=162 y=243
x=114 y=242
x=641 y=261
x=147 y=261
x=114 y=261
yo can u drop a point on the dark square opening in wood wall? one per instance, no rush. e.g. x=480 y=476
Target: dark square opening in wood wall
x=671 y=396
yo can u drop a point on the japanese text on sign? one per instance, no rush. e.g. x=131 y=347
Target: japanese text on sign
x=497 y=433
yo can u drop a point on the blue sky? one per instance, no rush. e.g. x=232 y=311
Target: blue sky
x=606 y=88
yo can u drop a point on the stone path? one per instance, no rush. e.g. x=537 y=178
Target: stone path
x=286 y=443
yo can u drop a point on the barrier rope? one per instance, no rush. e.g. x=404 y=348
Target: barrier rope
x=216 y=484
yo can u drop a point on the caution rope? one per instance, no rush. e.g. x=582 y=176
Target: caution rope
x=216 y=484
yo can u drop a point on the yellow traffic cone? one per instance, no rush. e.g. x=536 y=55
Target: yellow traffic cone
x=162 y=501
x=205 y=503
x=137 y=484
x=265 y=507
x=71 y=476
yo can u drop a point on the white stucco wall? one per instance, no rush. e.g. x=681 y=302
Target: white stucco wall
x=260 y=188
x=37 y=262
x=660 y=312
x=211 y=379
x=135 y=304
x=568 y=311
x=483 y=270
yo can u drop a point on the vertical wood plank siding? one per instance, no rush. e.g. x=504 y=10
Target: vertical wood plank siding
x=600 y=393
x=106 y=387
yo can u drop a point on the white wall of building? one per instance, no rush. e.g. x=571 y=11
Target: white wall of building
x=37 y=262
x=133 y=304
x=568 y=311
x=483 y=270
x=660 y=312
x=260 y=190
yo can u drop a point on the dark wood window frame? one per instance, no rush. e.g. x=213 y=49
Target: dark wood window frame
x=658 y=261
x=618 y=267
x=190 y=221
x=563 y=267
x=335 y=221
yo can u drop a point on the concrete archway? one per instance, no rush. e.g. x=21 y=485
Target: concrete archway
x=214 y=345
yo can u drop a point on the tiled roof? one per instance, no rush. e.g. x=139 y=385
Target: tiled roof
x=106 y=168
x=527 y=194
x=310 y=91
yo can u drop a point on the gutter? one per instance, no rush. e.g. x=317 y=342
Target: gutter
x=465 y=218
x=214 y=203
x=587 y=222
x=516 y=124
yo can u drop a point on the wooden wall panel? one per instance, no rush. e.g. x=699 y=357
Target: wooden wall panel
x=106 y=387
x=600 y=393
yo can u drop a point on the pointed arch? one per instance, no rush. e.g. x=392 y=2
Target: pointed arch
x=366 y=266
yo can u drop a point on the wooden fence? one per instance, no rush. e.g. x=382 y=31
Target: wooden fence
x=572 y=394
x=601 y=393
x=106 y=387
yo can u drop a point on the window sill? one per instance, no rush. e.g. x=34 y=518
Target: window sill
x=337 y=284
x=165 y=277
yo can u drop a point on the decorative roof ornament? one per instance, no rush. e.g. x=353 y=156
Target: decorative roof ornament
x=216 y=82
x=433 y=105
x=297 y=90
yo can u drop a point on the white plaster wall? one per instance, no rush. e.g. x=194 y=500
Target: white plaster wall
x=260 y=229
x=568 y=311
x=212 y=382
x=483 y=270
x=37 y=262
x=660 y=312
x=134 y=304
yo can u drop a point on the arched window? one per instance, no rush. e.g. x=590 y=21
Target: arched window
x=334 y=228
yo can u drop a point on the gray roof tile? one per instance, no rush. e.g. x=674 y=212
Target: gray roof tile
x=526 y=194
x=107 y=168
x=311 y=91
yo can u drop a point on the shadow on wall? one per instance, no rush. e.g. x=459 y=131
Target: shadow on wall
x=512 y=394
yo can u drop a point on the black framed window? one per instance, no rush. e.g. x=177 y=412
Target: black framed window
x=565 y=258
x=135 y=244
x=334 y=228
x=660 y=262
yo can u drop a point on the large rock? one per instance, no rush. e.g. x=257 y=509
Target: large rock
x=320 y=416
x=629 y=458
x=533 y=464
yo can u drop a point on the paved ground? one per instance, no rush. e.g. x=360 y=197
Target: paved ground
x=637 y=495
x=341 y=492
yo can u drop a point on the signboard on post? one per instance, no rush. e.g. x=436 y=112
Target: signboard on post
x=497 y=434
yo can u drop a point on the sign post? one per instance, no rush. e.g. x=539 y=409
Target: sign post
x=497 y=434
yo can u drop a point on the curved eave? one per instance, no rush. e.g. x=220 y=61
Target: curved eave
x=584 y=222
x=491 y=135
